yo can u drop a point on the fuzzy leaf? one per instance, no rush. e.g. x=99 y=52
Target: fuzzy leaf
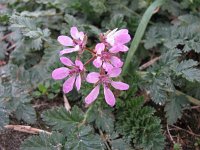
x=103 y=119
x=43 y=142
x=83 y=138
x=139 y=126
x=173 y=108
x=60 y=119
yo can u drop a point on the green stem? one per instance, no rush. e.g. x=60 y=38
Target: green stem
x=189 y=98
x=140 y=32
x=86 y=116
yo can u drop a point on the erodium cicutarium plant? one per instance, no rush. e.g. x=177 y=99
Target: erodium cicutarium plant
x=105 y=57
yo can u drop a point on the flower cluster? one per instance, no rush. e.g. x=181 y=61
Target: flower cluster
x=105 y=57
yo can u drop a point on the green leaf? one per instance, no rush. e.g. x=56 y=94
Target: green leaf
x=173 y=108
x=140 y=31
x=26 y=112
x=103 y=119
x=4 y=117
x=185 y=68
x=43 y=142
x=60 y=119
x=139 y=126
x=84 y=138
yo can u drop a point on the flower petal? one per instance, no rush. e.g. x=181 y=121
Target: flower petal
x=93 y=77
x=109 y=97
x=116 y=61
x=107 y=66
x=65 y=40
x=118 y=48
x=122 y=39
x=60 y=73
x=99 y=48
x=74 y=33
x=120 y=32
x=81 y=36
x=114 y=72
x=120 y=85
x=68 y=84
x=66 y=61
x=68 y=50
x=79 y=64
x=78 y=82
x=97 y=62
x=93 y=95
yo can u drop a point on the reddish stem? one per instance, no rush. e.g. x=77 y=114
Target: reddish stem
x=91 y=59
x=91 y=51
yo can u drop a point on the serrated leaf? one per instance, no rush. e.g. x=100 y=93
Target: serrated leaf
x=26 y=112
x=83 y=138
x=103 y=119
x=43 y=142
x=173 y=108
x=138 y=125
x=60 y=119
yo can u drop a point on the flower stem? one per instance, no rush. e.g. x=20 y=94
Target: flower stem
x=91 y=59
x=86 y=116
x=91 y=51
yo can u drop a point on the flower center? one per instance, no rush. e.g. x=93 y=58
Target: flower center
x=74 y=70
x=105 y=56
x=104 y=79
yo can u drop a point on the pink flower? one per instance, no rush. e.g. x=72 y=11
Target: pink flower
x=74 y=74
x=106 y=58
x=117 y=39
x=106 y=81
x=76 y=43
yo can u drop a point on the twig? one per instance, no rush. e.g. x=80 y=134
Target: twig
x=5 y=36
x=104 y=139
x=189 y=132
x=171 y=138
x=66 y=103
x=26 y=129
x=149 y=63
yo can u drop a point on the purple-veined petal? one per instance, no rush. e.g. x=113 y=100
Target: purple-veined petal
x=68 y=50
x=115 y=72
x=107 y=66
x=109 y=96
x=65 y=40
x=93 y=95
x=69 y=84
x=99 y=48
x=93 y=77
x=74 y=33
x=66 y=61
x=60 y=73
x=79 y=64
x=120 y=85
x=116 y=61
x=78 y=82
x=118 y=48
x=97 y=62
